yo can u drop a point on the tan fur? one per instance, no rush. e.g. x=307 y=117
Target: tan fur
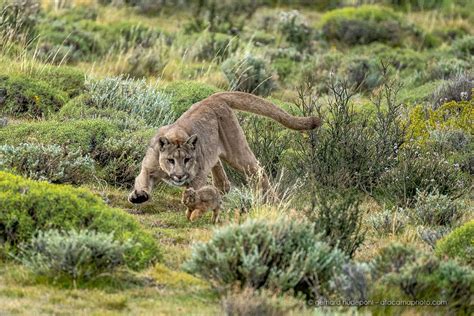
x=198 y=202
x=187 y=151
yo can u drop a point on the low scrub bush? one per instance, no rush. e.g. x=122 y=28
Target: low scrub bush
x=183 y=94
x=83 y=134
x=65 y=79
x=389 y=221
x=282 y=256
x=353 y=283
x=448 y=116
x=458 y=89
x=363 y=73
x=249 y=74
x=338 y=217
x=79 y=255
x=464 y=47
x=434 y=209
x=29 y=206
x=362 y=25
x=120 y=157
x=53 y=163
x=392 y=258
x=420 y=171
x=27 y=98
x=134 y=97
x=295 y=29
x=431 y=235
x=458 y=244
x=427 y=278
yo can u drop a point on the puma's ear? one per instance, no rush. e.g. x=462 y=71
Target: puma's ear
x=163 y=142
x=192 y=141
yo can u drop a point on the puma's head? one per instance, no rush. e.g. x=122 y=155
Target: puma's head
x=178 y=159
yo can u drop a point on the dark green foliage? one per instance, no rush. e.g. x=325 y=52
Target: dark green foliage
x=249 y=74
x=79 y=255
x=362 y=25
x=459 y=244
x=283 y=256
x=120 y=157
x=409 y=5
x=183 y=94
x=392 y=258
x=295 y=29
x=84 y=134
x=427 y=278
x=21 y=96
x=66 y=79
x=28 y=206
x=364 y=73
x=464 y=47
x=53 y=163
x=415 y=171
x=338 y=218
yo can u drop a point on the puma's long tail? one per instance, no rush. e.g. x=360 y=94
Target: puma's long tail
x=250 y=103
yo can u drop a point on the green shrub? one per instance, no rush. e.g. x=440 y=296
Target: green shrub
x=283 y=256
x=338 y=217
x=120 y=157
x=29 y=206
x=53 y=163
x=295 y=29
x=66 y=79
x=447 y=68
x=458 y=244
x=134 y=97
x=85 y=134
x=392 y=258
x=434 y=209
x=464 y=47
x=389 y=221
x=364 y=73
x=79 y=108
x=409 y=5
x=362 y=25
x=415 y=171
x=79 y=255
x=249 y=74
x=431 y=235
x=427 y=278
x=183 y=94
x=283 y=67
x=25 y=97
x=457 y=89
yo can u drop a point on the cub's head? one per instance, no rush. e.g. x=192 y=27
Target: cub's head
x=178 y=160
x=190 y=197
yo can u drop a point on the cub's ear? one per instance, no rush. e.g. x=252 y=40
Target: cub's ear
x=163 y=142
x=192 y=141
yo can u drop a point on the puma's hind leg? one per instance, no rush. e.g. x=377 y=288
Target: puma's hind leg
x=219 y=178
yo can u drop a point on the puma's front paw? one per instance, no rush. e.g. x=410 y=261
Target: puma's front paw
x=137 y=197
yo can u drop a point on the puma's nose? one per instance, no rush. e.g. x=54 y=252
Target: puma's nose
x=179 y=177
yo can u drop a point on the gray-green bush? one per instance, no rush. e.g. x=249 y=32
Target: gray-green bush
x=283 y=255
x=78 y=255
x=135 y=97
x=54 y=163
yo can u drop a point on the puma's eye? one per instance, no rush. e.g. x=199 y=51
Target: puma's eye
x=186 y=160
x=171 y=161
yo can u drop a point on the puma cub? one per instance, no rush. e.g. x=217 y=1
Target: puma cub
x=199 y=201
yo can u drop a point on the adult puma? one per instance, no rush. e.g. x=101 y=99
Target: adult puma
x=186 y=152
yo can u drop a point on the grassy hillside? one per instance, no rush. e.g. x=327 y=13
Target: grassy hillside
x=374 y=206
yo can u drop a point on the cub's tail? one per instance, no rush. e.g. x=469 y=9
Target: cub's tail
x=250 y=103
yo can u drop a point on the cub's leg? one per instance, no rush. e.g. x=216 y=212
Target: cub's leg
x=219 y=178
x=150 y=173
x=196 y=214
x=188 y=213
x=215 y=215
